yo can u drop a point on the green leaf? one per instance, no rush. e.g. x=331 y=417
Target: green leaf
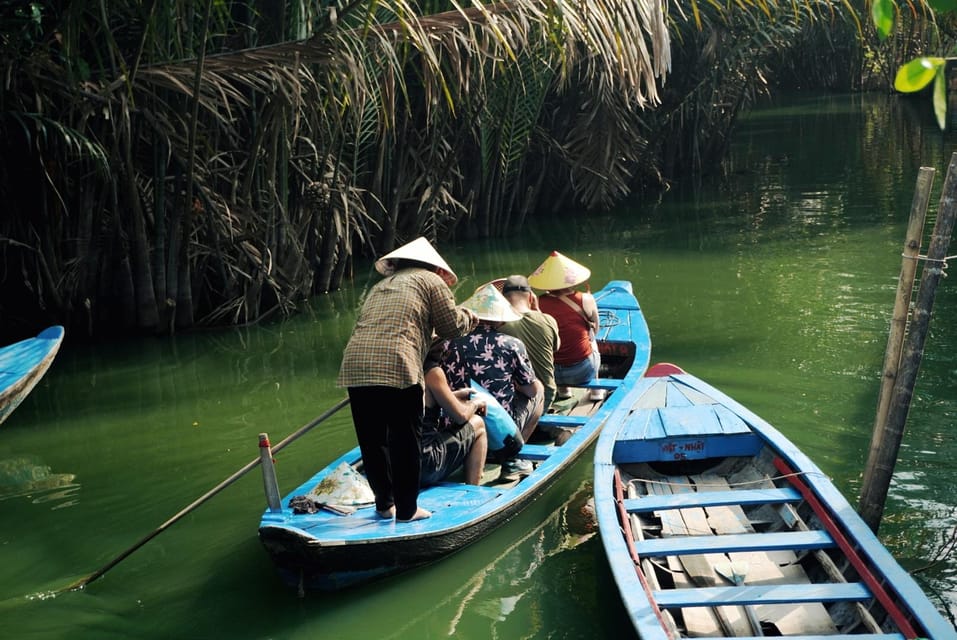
x=942 y=6
x=940 y=98
x=882 y=13
x=917 y=74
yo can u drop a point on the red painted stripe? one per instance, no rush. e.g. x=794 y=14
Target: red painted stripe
x=863 y=569
x=630 y=541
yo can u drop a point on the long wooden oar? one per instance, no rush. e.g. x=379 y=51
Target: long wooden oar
x=79 y=584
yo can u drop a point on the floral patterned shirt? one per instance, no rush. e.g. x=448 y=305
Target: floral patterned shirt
x=495 y=360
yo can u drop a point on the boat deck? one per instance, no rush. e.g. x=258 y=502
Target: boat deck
x=725 y=556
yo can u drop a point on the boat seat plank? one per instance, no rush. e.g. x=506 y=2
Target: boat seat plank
x=559 y=420
x=536 y=451
x=712 y=499
x=794 y=540
x=609 y=384
x=763 y=594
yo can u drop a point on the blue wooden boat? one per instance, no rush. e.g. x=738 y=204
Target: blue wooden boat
x=22 y=364
x=715 y=524
x=335 y=548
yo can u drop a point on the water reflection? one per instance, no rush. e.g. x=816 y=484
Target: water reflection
x=507 y=593
x=26 y=476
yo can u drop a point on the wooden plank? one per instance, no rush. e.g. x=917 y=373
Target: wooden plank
x=675 y=398
x=644 y=424
x=713 y=499
x=690 y=421
x=609 y=384
x=769 y=594
x=794 y=540
x=647 y=566
x=558 y=420
x=730 y=421
x=536 y=451
x=654 y=397
x=700 y=568
x=776 y=567
x=699 y=622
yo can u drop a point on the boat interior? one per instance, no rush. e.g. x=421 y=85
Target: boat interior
x=736 y=522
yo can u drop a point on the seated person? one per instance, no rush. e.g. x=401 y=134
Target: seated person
x=453 y=432
x=537 y=331
x=501 y=365
x=577 y=360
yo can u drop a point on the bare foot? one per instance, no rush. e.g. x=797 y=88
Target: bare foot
x=387 y=514
x=420 y=514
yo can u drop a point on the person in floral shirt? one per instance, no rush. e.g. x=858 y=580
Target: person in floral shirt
x=499 y=363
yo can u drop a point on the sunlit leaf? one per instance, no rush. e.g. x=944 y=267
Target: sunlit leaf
x=882 y=13
x=917 y=74
x=940 y=98
x=943 y=6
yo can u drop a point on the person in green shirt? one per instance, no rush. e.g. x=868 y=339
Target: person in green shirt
x=538 y=332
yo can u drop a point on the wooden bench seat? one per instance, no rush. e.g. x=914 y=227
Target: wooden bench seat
x=559 y=420
x=536 y=451
x=651 y=503
x=763 y=594
x=684 y=545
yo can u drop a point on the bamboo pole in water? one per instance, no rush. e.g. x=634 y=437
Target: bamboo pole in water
x=905 y=286
x=880 y=465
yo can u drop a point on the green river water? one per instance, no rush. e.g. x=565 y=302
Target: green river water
x=774 y=284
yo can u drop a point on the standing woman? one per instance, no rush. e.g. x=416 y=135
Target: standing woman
x=577 y=360
x=382 y=369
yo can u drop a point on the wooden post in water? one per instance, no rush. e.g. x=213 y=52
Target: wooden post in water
x=882 y=458
x=905 y=287
x=270 y=483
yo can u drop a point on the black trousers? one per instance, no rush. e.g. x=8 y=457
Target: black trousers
x=388 y=423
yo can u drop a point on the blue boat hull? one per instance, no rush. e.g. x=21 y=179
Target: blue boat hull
x=328 y=551
x=22 y=364
x=715 y=524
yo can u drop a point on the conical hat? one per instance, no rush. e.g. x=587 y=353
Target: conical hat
x=420 y=250
x=488 y=304
x=558 y=272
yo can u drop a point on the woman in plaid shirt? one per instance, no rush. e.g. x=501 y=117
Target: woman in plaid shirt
x=382 y=369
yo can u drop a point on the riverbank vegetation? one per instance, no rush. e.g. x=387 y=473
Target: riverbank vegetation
x=168 y=165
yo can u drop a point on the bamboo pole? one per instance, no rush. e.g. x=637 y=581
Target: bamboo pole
x=880 y=468
x=96 y=575
x=905 y=286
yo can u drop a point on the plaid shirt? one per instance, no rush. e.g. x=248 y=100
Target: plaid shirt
x=394 y=330
x=495 y=360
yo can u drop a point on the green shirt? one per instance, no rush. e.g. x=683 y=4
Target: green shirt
x=539 y=333
x=394 y=330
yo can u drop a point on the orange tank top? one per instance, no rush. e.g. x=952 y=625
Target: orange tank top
x=572 y=328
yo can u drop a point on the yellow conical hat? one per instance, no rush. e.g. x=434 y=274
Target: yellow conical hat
x=420 y=250
x=489 y=304
x=558 y=272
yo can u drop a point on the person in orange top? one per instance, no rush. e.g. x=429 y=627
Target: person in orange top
x=577 y=360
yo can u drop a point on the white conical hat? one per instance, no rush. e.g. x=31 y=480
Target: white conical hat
x=558 y=272
x=420 y=250
x=489 y=304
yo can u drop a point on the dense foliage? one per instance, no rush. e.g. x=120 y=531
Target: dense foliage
x=180 y=163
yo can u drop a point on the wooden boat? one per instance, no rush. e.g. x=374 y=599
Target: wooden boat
x=715 y=524
x=22 y=364
x=336 y=547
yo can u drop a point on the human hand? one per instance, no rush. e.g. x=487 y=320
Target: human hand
x=481 y=407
